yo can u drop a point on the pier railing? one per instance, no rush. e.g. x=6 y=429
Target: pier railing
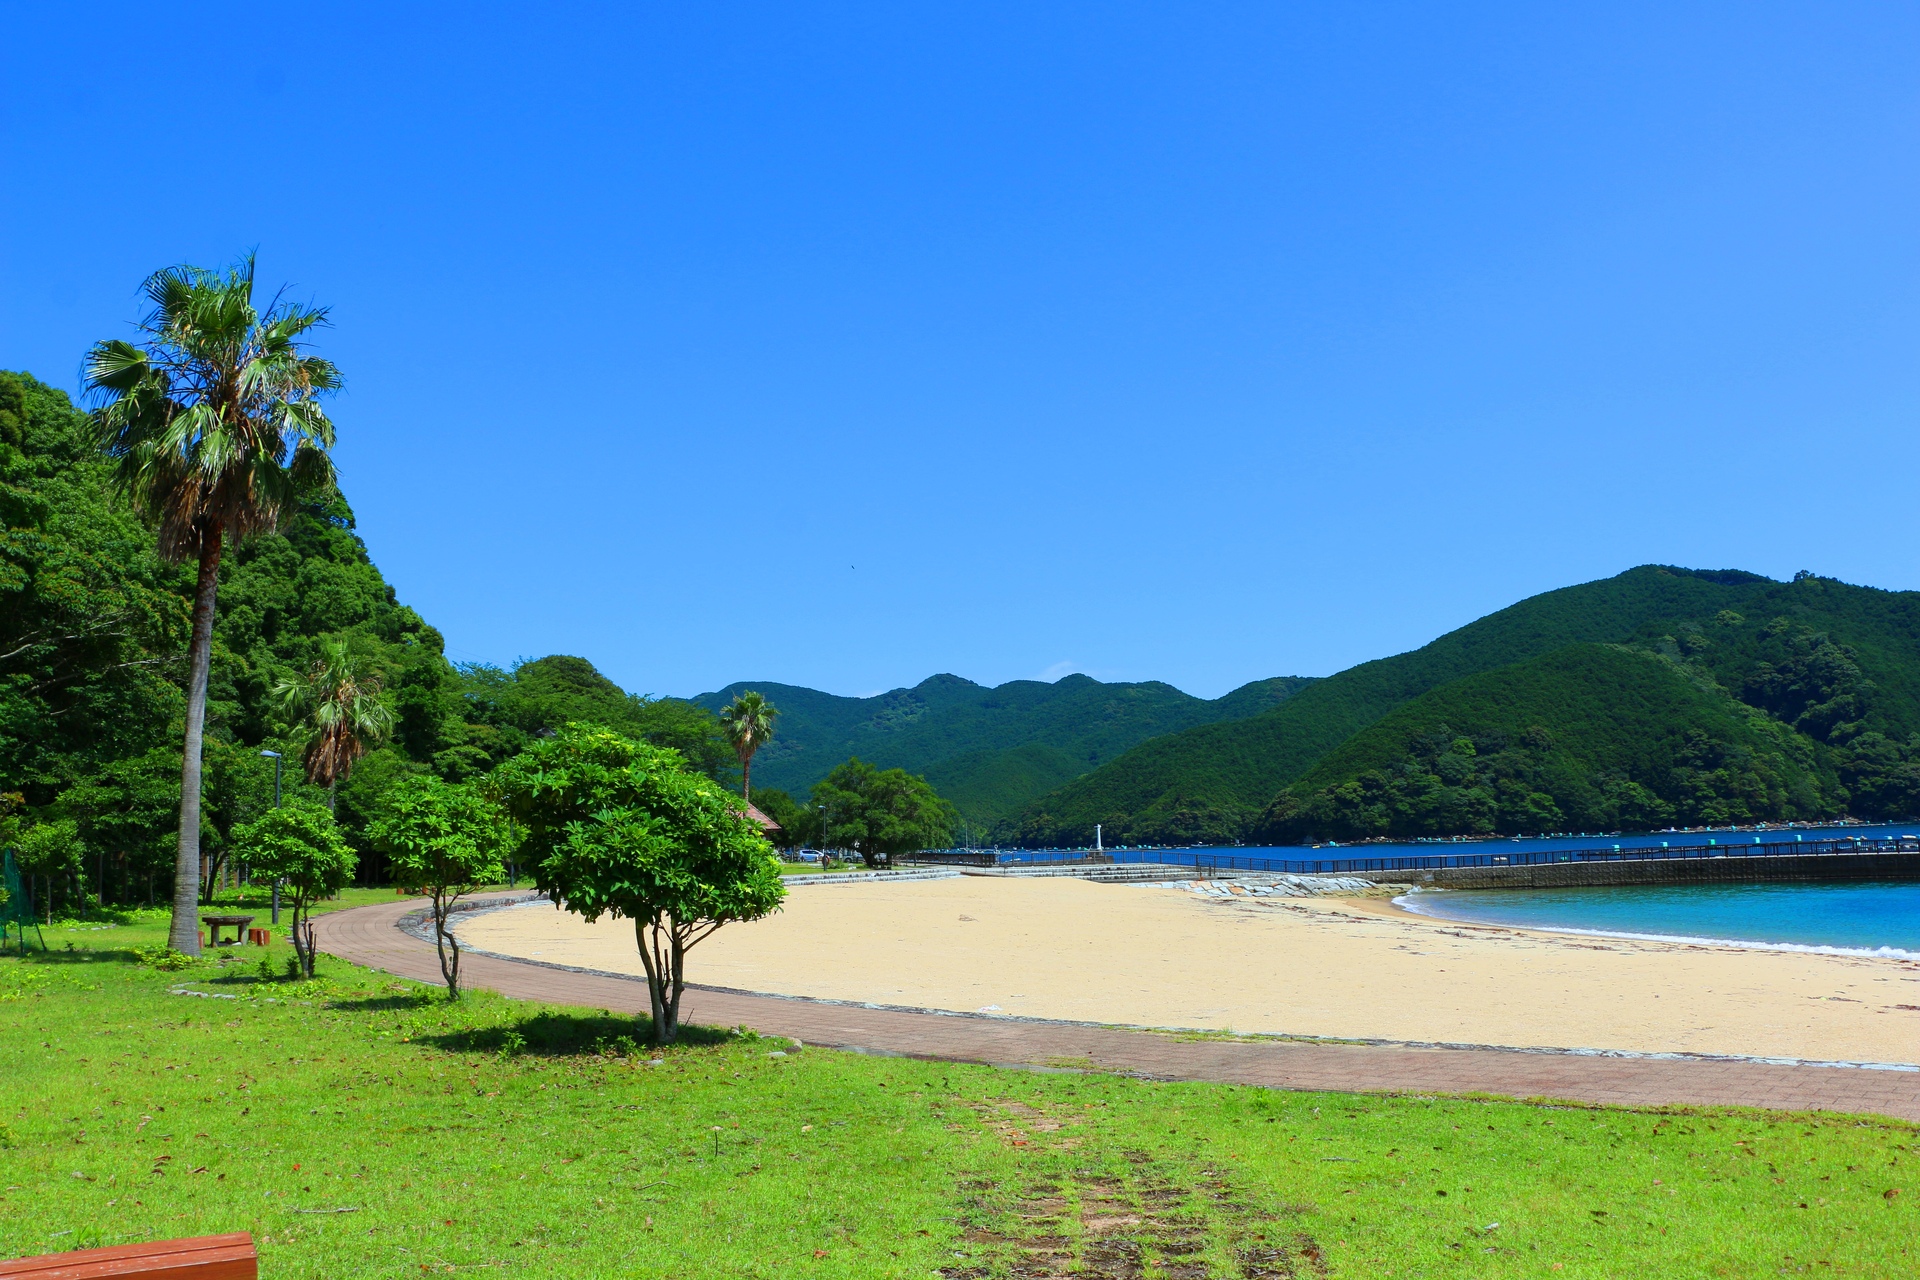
x=957 y=857
x=1218 y=861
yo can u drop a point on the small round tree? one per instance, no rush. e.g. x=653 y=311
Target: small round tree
x=445 y=840
x=621 y=828
x=882 y=812
x=302 y=846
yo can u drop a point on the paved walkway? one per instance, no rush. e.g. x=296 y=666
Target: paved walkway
x=370 y=936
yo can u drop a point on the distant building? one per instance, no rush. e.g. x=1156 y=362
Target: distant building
x=768 y=827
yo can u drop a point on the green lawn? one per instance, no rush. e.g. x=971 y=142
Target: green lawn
x=359 y=1126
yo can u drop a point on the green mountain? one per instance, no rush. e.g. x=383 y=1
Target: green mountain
x=1589 y=737
x=1839 y=662
x=988 y=750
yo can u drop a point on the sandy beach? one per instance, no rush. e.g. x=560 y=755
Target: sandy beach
x=1360 y=968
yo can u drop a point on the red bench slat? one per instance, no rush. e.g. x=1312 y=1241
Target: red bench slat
x=227 y=1257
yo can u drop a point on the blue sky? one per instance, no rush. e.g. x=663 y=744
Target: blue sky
x=1197 y=343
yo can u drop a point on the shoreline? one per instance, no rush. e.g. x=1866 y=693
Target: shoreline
x=1336 y=968
x=1625 y=935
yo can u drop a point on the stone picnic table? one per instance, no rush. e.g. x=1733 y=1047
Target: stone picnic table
x=237 y=923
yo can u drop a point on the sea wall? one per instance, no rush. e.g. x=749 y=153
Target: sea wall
x=1554 y=875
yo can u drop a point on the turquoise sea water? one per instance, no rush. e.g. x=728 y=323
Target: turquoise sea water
x=1875 y=916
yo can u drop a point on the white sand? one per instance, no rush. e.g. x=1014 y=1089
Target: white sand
x=1071 y=949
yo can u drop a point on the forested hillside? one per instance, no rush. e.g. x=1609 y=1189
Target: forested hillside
x=92 y=641
x=1839 y=663
x=988 y=750
x=1586 y=738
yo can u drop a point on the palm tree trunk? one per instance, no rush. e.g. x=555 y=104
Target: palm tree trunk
x=746 y=778
x=183 y=934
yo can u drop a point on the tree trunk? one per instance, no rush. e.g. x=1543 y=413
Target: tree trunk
x=746 y=778
x=446 y=945
x=647 y=935
x=677 y=987
x=183 y=934
x=302 y=933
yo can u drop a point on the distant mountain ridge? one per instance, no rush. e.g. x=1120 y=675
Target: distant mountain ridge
x=988 y=750
x=1792 y=656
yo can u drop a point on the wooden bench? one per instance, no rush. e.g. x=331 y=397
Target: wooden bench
x=228 y=1257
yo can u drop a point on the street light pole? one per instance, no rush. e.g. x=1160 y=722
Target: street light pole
x=276 y=804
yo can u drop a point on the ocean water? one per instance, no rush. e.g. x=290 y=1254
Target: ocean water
x=1881 y=917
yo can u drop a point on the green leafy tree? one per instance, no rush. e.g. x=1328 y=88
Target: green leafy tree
x=300 y=845
x=509 y=709
x=85 y=604
x=623 y=828
x=238 y=787
x=339 y=711
x=748 y=722
x=883 y=813
x=214 y=424
x=446 y=840
x=51 y=853
x=129 y=811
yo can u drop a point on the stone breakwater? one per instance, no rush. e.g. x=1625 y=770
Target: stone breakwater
x=1732 y=866
x=1279 y=885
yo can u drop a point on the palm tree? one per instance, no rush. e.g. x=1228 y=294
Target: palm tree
x=213 y=422
x=748 y=720
x=339 y=705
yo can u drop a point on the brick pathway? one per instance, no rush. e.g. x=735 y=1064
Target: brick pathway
x=369 y=936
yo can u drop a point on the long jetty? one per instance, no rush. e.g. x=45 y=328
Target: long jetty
x=1894 y=857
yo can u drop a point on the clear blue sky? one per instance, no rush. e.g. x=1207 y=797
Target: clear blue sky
x=841 y=345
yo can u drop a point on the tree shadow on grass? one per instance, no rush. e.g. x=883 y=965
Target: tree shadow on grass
x=212 y=966
x=424 y=998
x=563 y=1035
x=75 y=955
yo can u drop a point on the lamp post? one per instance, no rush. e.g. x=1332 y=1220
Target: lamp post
x=276 y=804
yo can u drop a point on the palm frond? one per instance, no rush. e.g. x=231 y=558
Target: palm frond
x=339 y=704
x=748 y=722
x=319 y=376
x=302 y=424
x=172 y=293
x=116 y=367
x=311 y=469
x=284 y=324
x=212 y=419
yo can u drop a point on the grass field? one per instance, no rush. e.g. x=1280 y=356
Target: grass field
x=360 y=1126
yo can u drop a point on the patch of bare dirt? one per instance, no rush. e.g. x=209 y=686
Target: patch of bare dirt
x=1152 y=1219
